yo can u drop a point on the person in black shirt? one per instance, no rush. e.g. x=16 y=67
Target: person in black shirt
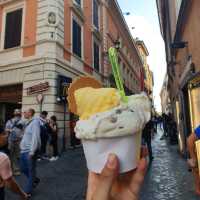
x=146 y=136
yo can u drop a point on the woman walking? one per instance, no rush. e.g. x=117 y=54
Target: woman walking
x=54 y=137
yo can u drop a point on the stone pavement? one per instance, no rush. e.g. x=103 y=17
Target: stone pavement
x=168 y=177
x=65 y=179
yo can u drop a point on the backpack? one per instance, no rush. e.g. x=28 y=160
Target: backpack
x=16 y=130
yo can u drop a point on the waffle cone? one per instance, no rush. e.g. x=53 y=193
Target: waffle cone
x=80 y=82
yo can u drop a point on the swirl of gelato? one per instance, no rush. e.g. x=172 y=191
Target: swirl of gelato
x=108 y=116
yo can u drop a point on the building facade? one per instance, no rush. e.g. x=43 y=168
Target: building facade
x=45 y=44
x=164 y=96
x=148 y=74
x=180 y=30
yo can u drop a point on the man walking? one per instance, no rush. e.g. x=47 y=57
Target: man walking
x=14 y=127
x=30 y=146
x=147 y=136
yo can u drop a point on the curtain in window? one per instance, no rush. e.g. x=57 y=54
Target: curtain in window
x=13 y=29
x=96 y=14
x=77 y=39
x=96 y=56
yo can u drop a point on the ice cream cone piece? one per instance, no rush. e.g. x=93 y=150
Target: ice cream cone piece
x=81 y=82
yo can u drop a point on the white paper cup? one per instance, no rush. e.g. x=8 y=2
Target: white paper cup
x=126 y=148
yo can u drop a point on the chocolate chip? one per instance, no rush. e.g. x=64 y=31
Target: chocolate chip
x=113 y=119
x=121 y=127
x=118 y=111
x=132 y=110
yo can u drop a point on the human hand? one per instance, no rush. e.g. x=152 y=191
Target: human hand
x=110 y=185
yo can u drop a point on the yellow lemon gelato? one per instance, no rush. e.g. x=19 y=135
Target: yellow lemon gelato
x=90 y=101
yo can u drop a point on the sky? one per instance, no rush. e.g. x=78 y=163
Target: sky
x=143 y=17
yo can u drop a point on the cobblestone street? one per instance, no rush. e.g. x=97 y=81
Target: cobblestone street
x=64 y=179
x=167 y=177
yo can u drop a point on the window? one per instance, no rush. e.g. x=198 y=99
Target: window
x=96 y=14
x=96 y=56
x=178 y=6
x=78 y=2
x=13 y=29
x=77 y=44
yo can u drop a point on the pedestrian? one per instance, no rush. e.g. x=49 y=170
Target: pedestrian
x=155 y=122
x=54 y=137
x=7 y=179
x=173 y=138
x=44 y=133
x=165 y=119
x=74 y=142
x=193 y=157
x=29 y=147
x=110 y=185
x=147 y=136
x=14 y=127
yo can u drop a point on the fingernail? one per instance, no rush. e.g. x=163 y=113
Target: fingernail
x=111 y=164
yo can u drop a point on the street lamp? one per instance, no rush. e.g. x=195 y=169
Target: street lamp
x=117 y=44
x=126 y=13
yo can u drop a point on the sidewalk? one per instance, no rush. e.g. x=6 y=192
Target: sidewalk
x=168 y=177
x=64 y=179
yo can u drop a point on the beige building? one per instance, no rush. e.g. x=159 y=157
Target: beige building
x=164 y=96
x=148 y=74
x=45 y=44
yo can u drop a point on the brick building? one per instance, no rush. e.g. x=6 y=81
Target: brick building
x=45 y=44
x=148 y=74
x=179 y=26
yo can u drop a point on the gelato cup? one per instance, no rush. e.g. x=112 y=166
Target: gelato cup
x=107 y=124
x=126 y=148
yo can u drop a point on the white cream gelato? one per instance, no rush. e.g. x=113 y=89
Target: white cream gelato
x=123 y=120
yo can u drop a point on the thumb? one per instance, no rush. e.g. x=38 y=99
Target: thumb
x=107 y=177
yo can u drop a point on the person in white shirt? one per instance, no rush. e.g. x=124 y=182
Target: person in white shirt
x=29 y=147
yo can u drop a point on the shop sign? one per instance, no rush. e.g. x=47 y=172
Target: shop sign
x=38 y=88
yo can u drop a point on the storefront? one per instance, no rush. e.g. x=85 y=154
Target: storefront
x=188 y=108
x=10 y=99
x=194 y=101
